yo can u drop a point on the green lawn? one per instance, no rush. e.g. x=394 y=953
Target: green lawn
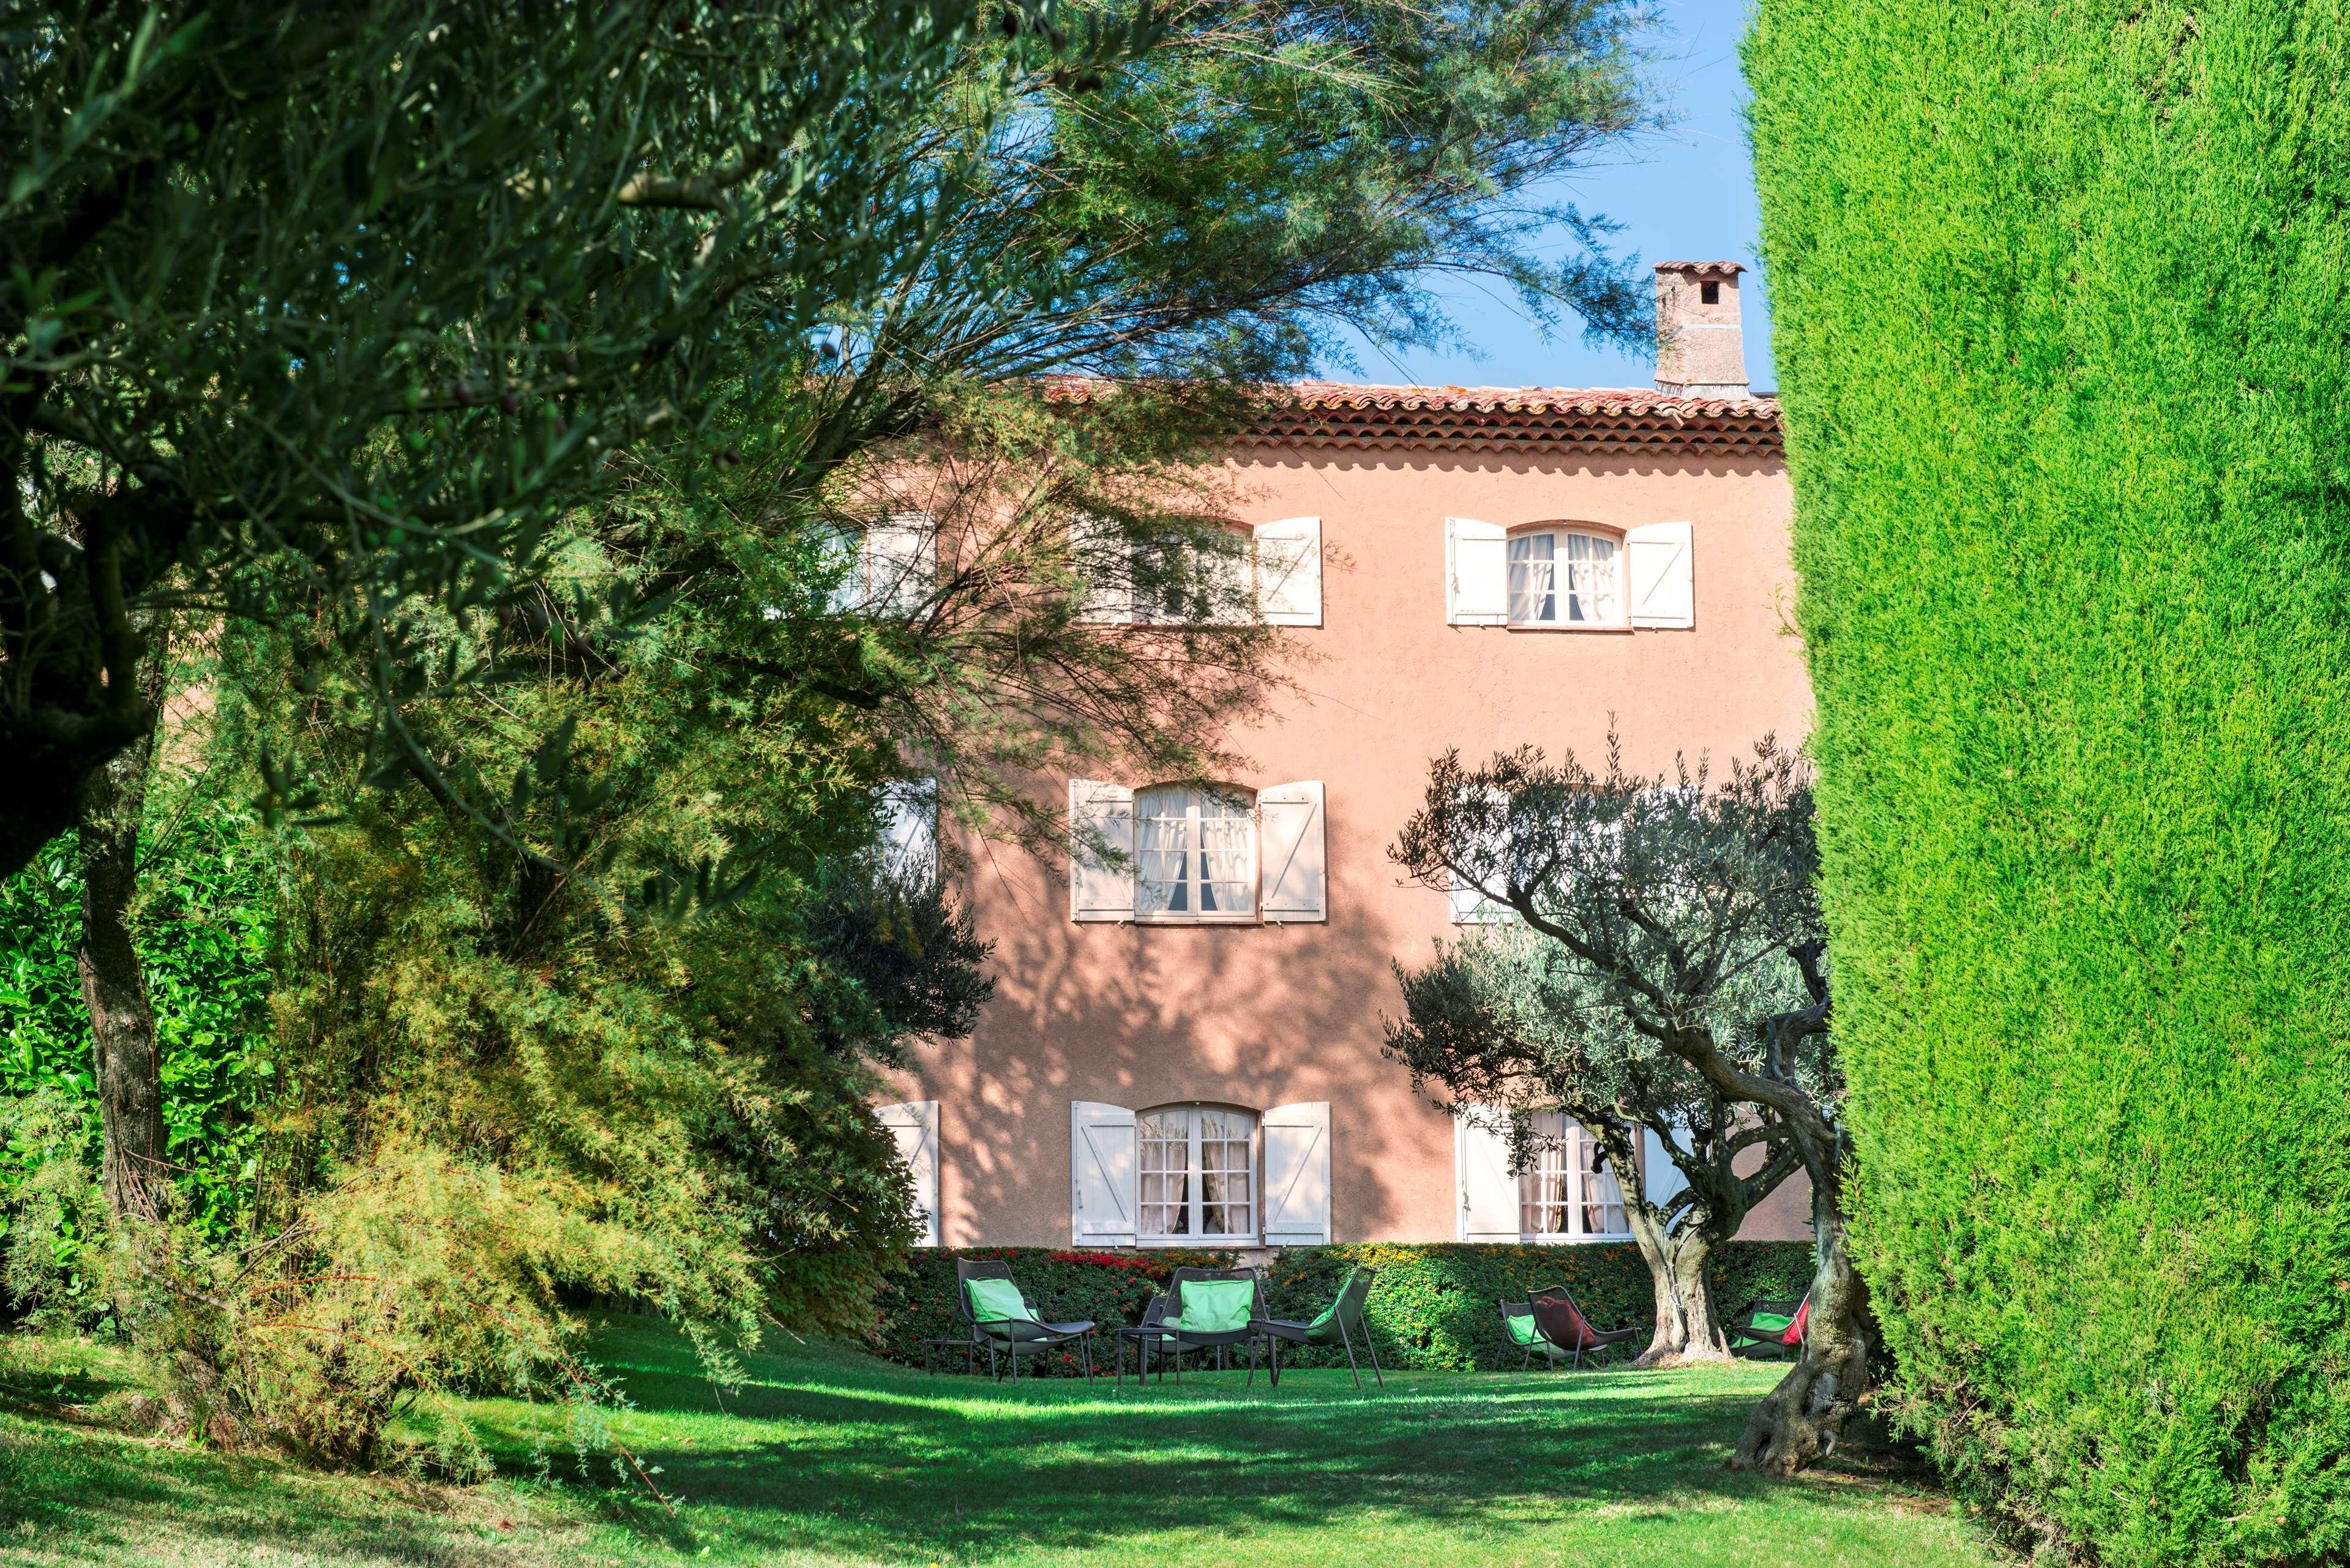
x=826 y=1456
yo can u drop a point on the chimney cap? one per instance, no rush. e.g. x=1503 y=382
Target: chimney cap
x=1704 y=269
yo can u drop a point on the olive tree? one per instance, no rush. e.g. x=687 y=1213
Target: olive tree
x=1667 y=892
x=1504 y=1024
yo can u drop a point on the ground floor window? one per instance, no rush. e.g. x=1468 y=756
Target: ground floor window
x=1569 y=1190
x=1197 y=1169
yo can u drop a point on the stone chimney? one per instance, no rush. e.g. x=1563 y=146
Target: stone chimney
x=1700 y=351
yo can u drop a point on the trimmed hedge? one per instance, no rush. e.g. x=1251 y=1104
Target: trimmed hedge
x=1432 y=1309
x=2061 y=299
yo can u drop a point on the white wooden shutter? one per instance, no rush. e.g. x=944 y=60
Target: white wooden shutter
x=1290 y=860
x=1101 y=1174
x=1476 y=573
x=1100 y=813
x=1662 y=576
x=1224 y=582
x=1472 y=908
x=1489 y=1189
x=1289 y=572
x=1659 y=1176
x=916 y=1124
x=1298 y=1175
x=909 y=829
x=901 y=562
x=1097 y=557
x=844 y=549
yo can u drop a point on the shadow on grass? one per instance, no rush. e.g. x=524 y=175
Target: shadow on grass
x=819 y=1453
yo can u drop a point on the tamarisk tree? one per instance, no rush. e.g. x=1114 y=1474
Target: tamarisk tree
x=1506 y=1023
x=1667 y=892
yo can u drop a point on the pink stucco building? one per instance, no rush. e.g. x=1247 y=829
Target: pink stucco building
x=1186 y=1050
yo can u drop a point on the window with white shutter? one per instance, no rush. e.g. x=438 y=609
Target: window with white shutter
x=1663 y=578
x=915 y=1124
x=1476 y=573
x=1183 y=854
x=1102 y=1205
x=1194 y=856
x=1289 y=572
x=1101 y=851
x=1566 y=1193
x=1298 y=1175
x=1291 y=852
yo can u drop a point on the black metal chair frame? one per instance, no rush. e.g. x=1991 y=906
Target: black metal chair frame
x=1015 y=1339
x=971 y=1344
x=1768 y=1348
x=1276 y=1330
x=1600 y=1338
x=1148 y=1337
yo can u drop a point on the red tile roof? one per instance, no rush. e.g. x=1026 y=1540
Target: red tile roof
x=1337 y=414
x=1704 y=269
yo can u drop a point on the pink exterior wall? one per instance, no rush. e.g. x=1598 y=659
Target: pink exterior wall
x=1263 y=1015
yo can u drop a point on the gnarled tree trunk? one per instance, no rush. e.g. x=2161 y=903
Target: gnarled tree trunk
x=1687 y=1325
x=1798 y=1423
x=113 y=982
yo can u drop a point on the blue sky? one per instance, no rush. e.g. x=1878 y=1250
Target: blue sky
x=1684 y=194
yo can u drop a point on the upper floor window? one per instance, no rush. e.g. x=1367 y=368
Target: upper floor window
x=1270 y=575
x=1197 y=849
x=1568 y=576
x=1182 y=853
x=1560 y=576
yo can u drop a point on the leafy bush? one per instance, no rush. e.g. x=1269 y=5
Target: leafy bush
x=206 y=921
x=1432 y=1307
x=2062 y=307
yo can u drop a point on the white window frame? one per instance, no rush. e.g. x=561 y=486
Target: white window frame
x=1195 y=1201
x=1566 y=1156
x=1194 y=799
x=1520 y=586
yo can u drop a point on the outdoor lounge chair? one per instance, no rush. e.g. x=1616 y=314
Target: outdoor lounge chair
x=1562 y=1323
x=1203 y=1309
x=1003 y=1319
x=1518 y=1322
x=1341 y=1323
x=1767 y=1330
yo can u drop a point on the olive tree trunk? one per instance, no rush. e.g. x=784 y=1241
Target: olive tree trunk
x=1798 y=1423
x=1687 y=1327
x=113 y=982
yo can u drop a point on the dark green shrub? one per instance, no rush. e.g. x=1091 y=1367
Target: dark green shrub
x=1107 y=1288
x=1432 y=1309
x=2062 y=315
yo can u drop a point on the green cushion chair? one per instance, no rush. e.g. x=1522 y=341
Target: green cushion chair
x=1341 y=1323
x=1203 y=1309
x=1526 y=1334
x=1760 y=1333
x=1003 y=1319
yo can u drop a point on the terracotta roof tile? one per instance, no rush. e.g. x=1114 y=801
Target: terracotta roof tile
x=1337 y=414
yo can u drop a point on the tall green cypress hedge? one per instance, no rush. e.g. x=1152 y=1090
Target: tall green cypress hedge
x=2061 y=304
